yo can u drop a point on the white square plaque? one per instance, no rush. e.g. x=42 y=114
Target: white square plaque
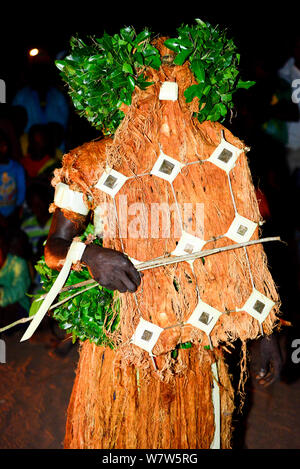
x=258 y=305
x=111 y=181
x=204 y=317
x=225 y=156
x=168 y=91
x=188 y=244
x=166 y=167
x=241 y=229
x=146 y=335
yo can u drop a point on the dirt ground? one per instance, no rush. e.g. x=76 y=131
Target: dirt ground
x=35 y=387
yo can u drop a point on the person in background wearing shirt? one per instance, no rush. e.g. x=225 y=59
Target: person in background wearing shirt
x=36 y=222
x=15 y=281
x=41 y=97
x=40 y=159
x=12 y=184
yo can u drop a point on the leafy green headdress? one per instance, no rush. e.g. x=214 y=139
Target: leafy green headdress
x=103 y=73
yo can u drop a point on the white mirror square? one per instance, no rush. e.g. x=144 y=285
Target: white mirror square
x=166 y=167
x=111 y=182
x=241 y=229
x=225 y=156
x=188 y=244
x=258 y=305
x=168 y=91
x=204 y=317
x=146 y=335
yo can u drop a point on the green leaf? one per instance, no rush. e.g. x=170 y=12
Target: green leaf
x=60 y=64
x=201 y=23
x=141 y=37
x=182 y=56
x=198 y=70
x=127 y=33
x=173 y=44
x=131 y=82
x=35 y=306
x=193 y=91
x=127 y=68
x=245 y=84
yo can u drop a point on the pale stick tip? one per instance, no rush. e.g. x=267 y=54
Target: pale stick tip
x=26 y=336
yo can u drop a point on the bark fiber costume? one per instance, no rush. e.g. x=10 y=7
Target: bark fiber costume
x=142 y=396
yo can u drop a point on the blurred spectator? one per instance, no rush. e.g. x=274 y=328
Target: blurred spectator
x=40 y=159
x=262 y=120
x=43 y=101
x=56 y=135
x=37 y=221
x=14 y=284
x=19 y=120
x=291 y=72
x=12 y=184
x=8 y=127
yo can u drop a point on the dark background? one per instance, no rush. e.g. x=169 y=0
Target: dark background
x=256 y=29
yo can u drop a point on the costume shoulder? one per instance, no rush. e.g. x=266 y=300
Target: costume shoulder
x=80 y=171
x=83 y=166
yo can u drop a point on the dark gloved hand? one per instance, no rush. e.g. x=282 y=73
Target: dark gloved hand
x=270 y=361
x=111 y=269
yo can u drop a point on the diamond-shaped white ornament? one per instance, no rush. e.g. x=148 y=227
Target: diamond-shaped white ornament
x=168 y=91
x=146 y=335
x=225 y=156
x=204 y=317
x=166 y=167
x=111 y=181
x=188 y=244
x=241 y=229
x=258 y=305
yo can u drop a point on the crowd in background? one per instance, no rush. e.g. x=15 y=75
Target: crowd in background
x=39 y=125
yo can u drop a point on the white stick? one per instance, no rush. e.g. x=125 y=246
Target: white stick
x=74 y=253
x=166 y=261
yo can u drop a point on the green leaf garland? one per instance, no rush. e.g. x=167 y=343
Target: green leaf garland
x=103 y=73
x=214 y=61
x=92 y=315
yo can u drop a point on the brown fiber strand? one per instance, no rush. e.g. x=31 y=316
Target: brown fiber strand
x=154 y=414
x=170 y=408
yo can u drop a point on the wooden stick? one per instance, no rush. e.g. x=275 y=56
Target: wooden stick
x=198 y=254
x=144 y=266
x=20 y=321
x=160 y=261
x=95 y=284
x=70 y=287
x=170 y=260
